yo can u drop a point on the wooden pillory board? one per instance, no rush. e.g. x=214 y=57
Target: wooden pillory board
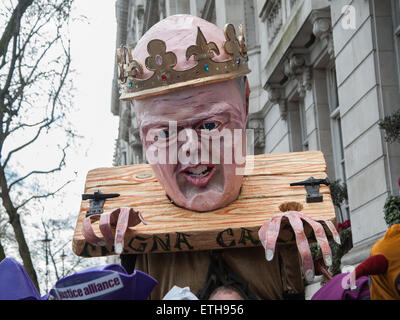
x=172 y=229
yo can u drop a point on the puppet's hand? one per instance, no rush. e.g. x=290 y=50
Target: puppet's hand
x=122 y=218
x=270 y=231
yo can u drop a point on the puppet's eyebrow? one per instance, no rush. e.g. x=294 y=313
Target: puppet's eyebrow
x=223 y=110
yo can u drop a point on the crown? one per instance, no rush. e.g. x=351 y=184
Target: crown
x=165 y=79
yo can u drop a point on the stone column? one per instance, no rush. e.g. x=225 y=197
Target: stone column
x=367 y=86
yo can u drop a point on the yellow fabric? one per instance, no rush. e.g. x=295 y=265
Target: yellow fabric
x=267 y=280
x=387 y=285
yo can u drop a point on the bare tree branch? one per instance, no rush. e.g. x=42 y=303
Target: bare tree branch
x=50 y=253
x=77 y=263
x=34 y=75
x=13 y=25
x=41 y=196
x=2 y=252
x=58 y=168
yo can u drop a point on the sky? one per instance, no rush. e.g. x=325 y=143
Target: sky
x=93 y=42
x=93 y=45
x=93 y=52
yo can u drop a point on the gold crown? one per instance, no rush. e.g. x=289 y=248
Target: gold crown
x=166 y=79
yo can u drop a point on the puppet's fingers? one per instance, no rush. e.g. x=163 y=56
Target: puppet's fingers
x=269 y=234
x=332 y=228
x=122 y=225
x=319 y=232
x=272 y=234
x=135 y=217
x=302 y=245
x=88 y=232
x=107 y=220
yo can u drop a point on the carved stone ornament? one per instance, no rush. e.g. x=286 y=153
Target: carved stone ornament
x=295 y=68
x=322 y=30
x=274 y=96
x=259 y=133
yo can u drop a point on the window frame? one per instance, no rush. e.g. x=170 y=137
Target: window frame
x=336 y=133
x=303 y=126
x=395 y=4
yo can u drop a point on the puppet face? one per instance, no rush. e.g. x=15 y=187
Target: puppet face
x=195 y=142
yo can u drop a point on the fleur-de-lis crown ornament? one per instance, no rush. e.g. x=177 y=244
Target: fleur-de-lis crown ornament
x=162 y=62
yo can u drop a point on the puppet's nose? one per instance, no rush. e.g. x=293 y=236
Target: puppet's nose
x=189 y=150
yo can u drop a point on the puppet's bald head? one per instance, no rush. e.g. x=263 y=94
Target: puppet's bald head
x=189 y=134
x=179 y=32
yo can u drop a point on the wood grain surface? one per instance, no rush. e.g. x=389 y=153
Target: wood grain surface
x=170 y=229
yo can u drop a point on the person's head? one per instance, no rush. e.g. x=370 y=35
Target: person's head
x=194 y=137
x=225 y=293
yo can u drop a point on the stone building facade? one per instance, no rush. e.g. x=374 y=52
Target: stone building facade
x=324 y=73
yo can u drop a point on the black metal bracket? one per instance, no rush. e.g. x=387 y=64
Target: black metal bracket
x=97 y=200
x=312 y=188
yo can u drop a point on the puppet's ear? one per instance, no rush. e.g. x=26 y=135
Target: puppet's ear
x=374 y=265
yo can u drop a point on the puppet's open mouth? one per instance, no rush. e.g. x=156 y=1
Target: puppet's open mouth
x=199 y=175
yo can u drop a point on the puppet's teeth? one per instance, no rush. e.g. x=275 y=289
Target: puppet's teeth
x=201 y=175
x=199 y=170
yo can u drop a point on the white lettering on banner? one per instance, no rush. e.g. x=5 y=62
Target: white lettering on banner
x=91 y=289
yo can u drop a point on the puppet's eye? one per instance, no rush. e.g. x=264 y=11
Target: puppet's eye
x=209 y=126
x=164 y=134
x=161 y=134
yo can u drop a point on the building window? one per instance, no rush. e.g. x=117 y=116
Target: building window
x=336 y=133
x=139 y=21
x=396 y=31
x=250 y=24
x=124 y=159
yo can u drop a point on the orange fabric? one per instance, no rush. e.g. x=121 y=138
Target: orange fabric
x=387 y=285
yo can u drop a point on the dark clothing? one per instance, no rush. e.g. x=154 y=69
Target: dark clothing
x=267 y=280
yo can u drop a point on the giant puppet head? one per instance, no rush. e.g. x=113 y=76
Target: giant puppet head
x=186 y=80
